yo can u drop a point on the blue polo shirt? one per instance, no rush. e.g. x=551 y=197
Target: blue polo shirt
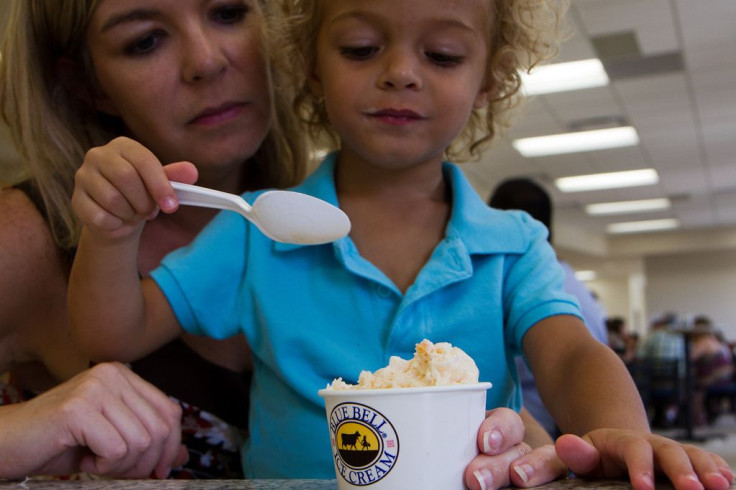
x=315 y=313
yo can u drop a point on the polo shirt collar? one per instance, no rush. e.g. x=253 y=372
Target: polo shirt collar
x=482 y=229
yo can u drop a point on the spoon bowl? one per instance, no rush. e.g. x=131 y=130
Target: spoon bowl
x=283 y=216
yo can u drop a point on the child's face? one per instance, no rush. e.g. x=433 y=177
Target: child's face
x=401 y=77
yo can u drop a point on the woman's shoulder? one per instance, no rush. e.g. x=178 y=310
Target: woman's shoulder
x=22 y=223
x=28 y=253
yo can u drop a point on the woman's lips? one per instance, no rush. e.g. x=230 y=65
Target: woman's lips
x=218 y=115
x=396 y=116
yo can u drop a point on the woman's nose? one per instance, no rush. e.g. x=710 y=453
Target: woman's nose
x=202 y=57
x=401 y=70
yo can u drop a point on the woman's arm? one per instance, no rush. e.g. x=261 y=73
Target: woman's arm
x=33 y=287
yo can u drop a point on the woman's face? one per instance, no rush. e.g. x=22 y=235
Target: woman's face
x=187 y=77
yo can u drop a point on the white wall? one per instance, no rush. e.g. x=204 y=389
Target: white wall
x=694 y=283
x=613 y=295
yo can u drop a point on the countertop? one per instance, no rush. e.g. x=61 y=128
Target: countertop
x=256 y=484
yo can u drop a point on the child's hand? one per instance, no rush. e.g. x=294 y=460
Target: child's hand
x=612 y=453
x=122 y=184
x=500 y=441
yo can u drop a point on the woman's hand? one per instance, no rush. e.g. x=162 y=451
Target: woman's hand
x=506 y=459
x=122 y=184
x=106 y=421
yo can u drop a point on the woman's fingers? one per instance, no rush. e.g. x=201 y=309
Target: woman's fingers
x=488 y=472
x=130 y=428
x=501 y=430
x=538 y=467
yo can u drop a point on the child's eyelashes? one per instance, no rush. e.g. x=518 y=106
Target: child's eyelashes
x=368 y=52
x=358 y=52
x=444 y=59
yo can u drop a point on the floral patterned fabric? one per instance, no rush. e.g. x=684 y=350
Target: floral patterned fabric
x=213 y=445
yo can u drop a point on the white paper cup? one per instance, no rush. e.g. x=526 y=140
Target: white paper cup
x=404 y=438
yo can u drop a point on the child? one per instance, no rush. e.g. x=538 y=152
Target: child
x=398 y=81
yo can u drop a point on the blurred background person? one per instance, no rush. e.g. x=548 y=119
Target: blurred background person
x=620 y=340
x=658 y=348
x=713 y=365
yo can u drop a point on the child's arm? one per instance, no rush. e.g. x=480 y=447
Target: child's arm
x=582 y=382
x=590 y=393
x=115 y=315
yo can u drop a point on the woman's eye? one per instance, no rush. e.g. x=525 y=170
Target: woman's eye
x=230 y=14
x=144 y=45
x=358 y=52
x=443 y=59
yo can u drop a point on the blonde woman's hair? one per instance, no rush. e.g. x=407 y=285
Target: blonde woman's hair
x=53 y=121
x=524 y=33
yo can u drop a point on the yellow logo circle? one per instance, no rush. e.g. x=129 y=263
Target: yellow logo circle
x=364 y=442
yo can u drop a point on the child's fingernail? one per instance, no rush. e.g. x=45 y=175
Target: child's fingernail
x=716 y=475
x=649 y=480
x=693 y=478
x=525 y=472
x=168 y=203
x=492 y=441
x=484 y=477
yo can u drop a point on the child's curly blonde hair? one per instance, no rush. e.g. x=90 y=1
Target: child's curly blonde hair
x=524 y=34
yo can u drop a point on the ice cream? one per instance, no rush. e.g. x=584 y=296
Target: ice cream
x=433 y=365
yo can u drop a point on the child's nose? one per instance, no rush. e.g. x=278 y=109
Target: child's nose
x=401 y=70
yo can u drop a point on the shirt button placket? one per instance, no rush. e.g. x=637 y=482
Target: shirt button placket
x=383 y=291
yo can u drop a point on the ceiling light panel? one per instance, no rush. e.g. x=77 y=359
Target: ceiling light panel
x=626 y=207
x=578 y=141
x=609 y=180
x=563 y=77
x=643 y=226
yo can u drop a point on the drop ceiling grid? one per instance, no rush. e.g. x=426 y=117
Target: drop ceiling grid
x=651 y=20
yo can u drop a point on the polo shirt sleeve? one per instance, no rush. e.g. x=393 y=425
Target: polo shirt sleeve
x=533 y=282
x=201 y=280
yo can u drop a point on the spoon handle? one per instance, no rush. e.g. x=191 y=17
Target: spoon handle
x=194 y=195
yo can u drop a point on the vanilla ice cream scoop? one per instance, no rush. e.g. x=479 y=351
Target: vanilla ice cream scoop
x=433 y=365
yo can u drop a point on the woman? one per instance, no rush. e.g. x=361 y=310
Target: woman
x=187 y=78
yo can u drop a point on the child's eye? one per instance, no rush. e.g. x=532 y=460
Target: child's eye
x=145 y=44
x=443 y=59
x=230 y=14
x=358 y=52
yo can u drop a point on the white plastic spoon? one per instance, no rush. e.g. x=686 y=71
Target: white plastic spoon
x=284 y=216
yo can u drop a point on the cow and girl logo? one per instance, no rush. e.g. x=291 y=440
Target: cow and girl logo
x=365 y=445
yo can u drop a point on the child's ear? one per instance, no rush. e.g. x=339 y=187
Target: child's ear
x=315 y=83
x=483 y=96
